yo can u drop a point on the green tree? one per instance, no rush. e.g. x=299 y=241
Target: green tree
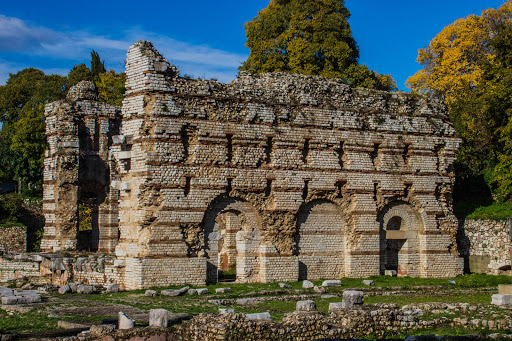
x=97 y=66
x=469 y=65
x=23 y=138
x=308 y=37
x=111 y=87
x=79 y=73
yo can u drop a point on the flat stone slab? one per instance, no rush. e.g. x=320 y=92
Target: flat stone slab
x=259 y=317
x=202 y=291
x=307 y=305
x=85 y=289
x=222 y=290
x=497 y=299
x=336 y=306
x=285 y=286
x=332 y=283
x=505 y=289
x=247 y=301
x=150 y=293
x=224 y=311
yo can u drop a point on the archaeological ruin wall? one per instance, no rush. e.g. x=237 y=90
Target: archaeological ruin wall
x=274 y=177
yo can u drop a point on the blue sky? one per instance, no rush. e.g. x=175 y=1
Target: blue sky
x=204 y=38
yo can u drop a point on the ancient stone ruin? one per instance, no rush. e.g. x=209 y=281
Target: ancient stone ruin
x=280 y=177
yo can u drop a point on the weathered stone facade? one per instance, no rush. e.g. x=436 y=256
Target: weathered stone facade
x=279 y=177
x=485 y=246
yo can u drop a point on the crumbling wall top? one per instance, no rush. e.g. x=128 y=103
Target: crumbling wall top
x=84 y=90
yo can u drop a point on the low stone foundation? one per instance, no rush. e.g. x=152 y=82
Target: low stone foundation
x=377 y=321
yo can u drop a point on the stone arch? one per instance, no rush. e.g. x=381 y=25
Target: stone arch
x=232 y=235
x=400 y=225
x=320 y=240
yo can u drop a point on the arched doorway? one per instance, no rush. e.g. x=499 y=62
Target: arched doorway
x=232 y=240
x=399 y=245
x=320 y=241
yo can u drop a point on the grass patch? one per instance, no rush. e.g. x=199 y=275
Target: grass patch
x=402 y=300
x=495 y=211
x=32 y=321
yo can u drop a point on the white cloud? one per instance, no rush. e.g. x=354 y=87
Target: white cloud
x=19 y=36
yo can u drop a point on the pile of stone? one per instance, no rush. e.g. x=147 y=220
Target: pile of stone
x=11 y=297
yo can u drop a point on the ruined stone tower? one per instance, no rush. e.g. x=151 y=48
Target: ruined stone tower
x=279 y=177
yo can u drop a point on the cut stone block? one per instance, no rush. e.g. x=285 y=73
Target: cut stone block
x=150 y=293
x=307 y=284
x=352 y=298
x=336 y=306
x=112 y=287
x=505 y=289
x=391 y=273
x=202 y=291
x=9 y=300
x=224 y=311
x=368 y=282
x=73 y=286
x=222 y=290
x=6 y=291
x=247 y=301
x=319 y=290
x=125 y=322
x=64 y=289
x=332 y=283
x=158 y=318
x=85 y=289
x=192 y=292
x=501 y=299
x=259 y=317
x=285 y=286
x=307 y=305
x=29 y=299
x=171 y=292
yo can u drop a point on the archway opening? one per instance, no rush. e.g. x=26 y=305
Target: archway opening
x=232 y=241
x=399 y=244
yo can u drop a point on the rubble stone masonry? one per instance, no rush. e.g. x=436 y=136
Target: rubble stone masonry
x=279 y=177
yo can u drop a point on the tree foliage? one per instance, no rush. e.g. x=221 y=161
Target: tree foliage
x=469 y=65
x=308 y=37
x=22 y=102
x=97 y=66
x=111 y=87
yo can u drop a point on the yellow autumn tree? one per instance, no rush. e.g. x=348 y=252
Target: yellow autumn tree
x=451 y=62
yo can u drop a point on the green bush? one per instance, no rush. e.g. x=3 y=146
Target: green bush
x=11 y=208
x=496 y=211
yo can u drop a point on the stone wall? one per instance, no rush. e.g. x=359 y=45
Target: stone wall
x=374 y=322
x=276 y=176
x=13 y=239
x=485 y=245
